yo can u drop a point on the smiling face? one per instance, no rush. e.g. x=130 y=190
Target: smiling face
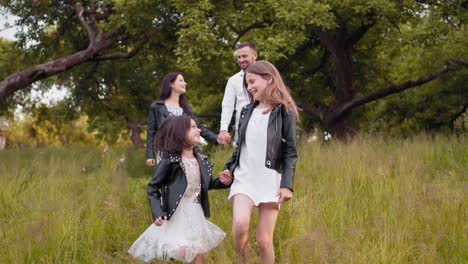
x=256 y=85
x=245 y=57
x=179 y=85
x=193 y=134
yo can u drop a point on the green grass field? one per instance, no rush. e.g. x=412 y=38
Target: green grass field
x=372 y=200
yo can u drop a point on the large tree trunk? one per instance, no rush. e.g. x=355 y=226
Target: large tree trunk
x=335 y=121
x=135 y=133
x=337 y=117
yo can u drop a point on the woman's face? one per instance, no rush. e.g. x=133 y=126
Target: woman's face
x=193 y=134
x=179 y=85
x=256 y=85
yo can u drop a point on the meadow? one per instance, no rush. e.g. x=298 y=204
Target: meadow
x=371 y=200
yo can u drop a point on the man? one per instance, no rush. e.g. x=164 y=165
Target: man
x=235 y=95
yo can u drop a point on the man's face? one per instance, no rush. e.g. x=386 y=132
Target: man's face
x=245 y=57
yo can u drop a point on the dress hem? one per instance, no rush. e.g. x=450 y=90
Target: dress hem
x=256 y=203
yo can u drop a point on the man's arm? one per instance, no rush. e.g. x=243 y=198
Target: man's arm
x=228 y=105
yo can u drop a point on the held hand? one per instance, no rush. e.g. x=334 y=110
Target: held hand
x=223 y=137
x=159 y=220
x=225 y=177
x=284 y=194
x=150 y=162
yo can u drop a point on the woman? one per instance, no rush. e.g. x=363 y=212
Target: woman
x=172 y=102
x=265 y=148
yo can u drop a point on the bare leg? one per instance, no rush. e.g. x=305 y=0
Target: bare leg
x=242 y=210
x=197 y=259
x=267 y=214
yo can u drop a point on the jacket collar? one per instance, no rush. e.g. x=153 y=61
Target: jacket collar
x=162 y=107
x=206 y=167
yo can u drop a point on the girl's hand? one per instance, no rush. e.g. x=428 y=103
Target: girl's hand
x=284 y=194
x=150 y=162
x=223 y=137
x=159 y=221
x=225 y=177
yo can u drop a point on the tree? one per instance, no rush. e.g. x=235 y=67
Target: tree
x=11 y=60
x=117 y=96
x=335 y=55
x=318 y=44
x=85 y=31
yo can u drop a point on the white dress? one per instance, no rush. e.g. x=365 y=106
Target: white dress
x=187 y=234
x=251 y=177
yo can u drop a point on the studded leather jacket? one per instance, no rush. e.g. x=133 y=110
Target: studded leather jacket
x=168 y=185
x=281 y=154
x=157 y=113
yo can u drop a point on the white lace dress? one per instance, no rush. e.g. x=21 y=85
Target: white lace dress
x=187 y=234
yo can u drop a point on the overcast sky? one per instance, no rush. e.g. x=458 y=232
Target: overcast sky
x=7 y=33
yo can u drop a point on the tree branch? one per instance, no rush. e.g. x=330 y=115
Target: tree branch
x=317 y=111
x=298 y=52
x=97 y=44
x=138 y=46
x=241 y=33
x=91 y=34
x=396 y=88
x=358 y=34
x=326 y=39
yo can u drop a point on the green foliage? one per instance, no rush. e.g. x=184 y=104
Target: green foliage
x=407 y=40
x=373 y=200
x=49 y=126
x=461 y=123
x=12 y=59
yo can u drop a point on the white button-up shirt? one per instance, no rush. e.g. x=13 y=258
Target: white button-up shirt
x=235 y=97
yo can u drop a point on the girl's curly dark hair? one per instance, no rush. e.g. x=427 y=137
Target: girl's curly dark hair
x=171 y=136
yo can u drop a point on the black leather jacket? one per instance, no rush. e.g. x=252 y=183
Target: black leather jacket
x=281 y=154
x=168 y=185
x=157 y=113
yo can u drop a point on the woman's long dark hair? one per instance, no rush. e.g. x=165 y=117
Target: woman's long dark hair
x=171 y=136
x=166 y=91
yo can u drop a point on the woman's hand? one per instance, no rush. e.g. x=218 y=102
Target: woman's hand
x=159 y=221
x=225 y=177
x=150 y=162
x=284 y=194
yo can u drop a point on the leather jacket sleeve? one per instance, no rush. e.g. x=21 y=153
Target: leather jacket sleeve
x=289 y=155
x=215 y=183
x=154 y=188
x=152 y=128
x=231 y=162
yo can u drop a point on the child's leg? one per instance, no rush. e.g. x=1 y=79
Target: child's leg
x=197 y=259
x=267 y=214
x=242 y=210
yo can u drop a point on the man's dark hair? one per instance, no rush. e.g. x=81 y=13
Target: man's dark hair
x=171 y=136
x=247 y=44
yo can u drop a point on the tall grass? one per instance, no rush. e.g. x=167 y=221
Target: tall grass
x=371 y=200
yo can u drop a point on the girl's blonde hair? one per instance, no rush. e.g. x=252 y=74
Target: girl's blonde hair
x=276 y=92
